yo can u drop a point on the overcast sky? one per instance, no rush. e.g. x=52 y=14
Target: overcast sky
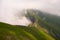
x=8 y=9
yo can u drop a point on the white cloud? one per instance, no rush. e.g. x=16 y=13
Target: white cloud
x=8 y=8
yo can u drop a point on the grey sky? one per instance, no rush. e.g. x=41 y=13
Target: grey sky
x=8 y=9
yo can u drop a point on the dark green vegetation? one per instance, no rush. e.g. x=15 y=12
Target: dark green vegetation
x=46 y=21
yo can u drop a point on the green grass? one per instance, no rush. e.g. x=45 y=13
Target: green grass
x=12 y=32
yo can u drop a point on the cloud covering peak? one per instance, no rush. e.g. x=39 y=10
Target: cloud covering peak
x=8 y=9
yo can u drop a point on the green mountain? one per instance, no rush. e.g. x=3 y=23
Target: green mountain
x=47 y=21
x=43 y=27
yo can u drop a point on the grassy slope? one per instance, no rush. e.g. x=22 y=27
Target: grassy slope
x=11 y=32
x=51 y=23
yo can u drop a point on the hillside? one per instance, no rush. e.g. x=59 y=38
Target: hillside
x=44 y=26
x=16 y=32
x=47 y=21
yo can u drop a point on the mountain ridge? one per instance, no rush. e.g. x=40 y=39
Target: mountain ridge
x=43 y=27
x=47 y=21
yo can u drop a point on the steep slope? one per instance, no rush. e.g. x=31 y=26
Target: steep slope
x=47 y=21
x=16 y=32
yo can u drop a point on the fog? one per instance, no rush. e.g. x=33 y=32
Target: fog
x=9 y=9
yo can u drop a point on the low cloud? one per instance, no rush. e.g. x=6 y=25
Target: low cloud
x=8 y=9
